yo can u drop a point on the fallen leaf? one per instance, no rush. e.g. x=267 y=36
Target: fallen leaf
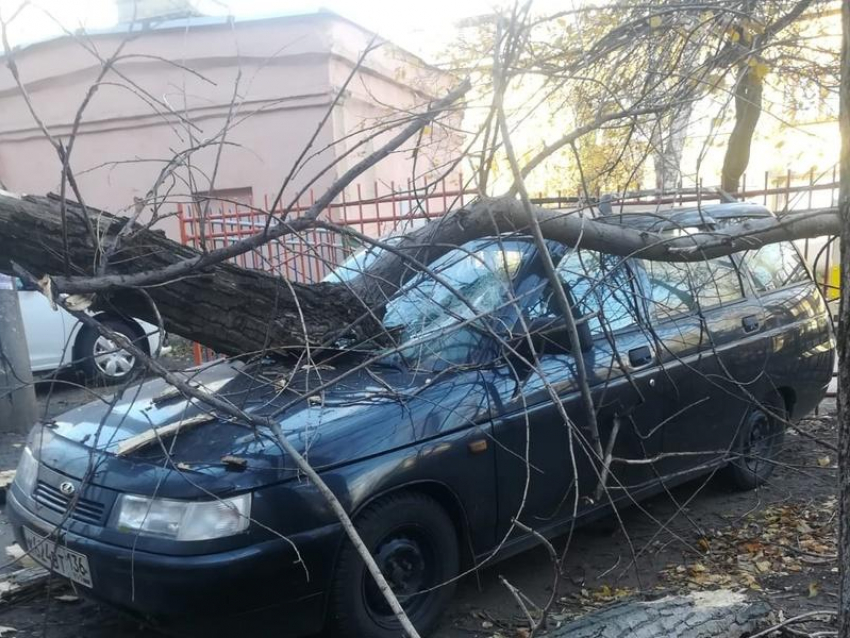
x=813 y=589
x=824 y=461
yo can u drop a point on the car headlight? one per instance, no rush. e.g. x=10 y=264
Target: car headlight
x=27 y=472
x=182 y=520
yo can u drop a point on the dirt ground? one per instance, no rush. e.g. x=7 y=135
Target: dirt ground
x=777 y=542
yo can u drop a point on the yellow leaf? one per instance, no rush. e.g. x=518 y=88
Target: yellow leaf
x=813 y=589
x=824 y=461
x=760 y=70
x=655 y=22
x=734 y=36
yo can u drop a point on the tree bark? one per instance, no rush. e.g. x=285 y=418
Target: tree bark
x=844 y=338
x=748 y=99
x=504 y=215
x=230 y=309
x=236 y=311
x=668 y=143
x=718 y=614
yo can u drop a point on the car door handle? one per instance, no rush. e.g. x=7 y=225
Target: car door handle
x=640 y=356
x=751 y=323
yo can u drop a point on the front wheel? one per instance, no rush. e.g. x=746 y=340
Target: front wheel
x=102 y=359
x=757 y=446
x=415 y=544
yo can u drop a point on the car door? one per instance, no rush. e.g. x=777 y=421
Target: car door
x=698 y=314
x=547 y=467
x=44 y=327
x=777 y=273
x=735 y=352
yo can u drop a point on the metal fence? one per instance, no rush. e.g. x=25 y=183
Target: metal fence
x=382 y=210
x=309 y=256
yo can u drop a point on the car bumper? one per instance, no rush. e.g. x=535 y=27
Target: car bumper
x=262 y=586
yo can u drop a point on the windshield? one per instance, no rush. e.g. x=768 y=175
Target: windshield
x=478 y=282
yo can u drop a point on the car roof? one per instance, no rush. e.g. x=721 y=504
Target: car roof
x=659 y=219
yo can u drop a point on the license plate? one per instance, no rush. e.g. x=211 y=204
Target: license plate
x=63 y=561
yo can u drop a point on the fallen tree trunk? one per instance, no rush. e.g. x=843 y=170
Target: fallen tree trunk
x=230 y=309
x=507 y=214
x=235 y=310
x=717 y=614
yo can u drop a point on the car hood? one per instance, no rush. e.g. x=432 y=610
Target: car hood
x=371 y=410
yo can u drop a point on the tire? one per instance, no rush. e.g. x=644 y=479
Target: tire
x=415 y=544
x=100 y=360
x=757 y=446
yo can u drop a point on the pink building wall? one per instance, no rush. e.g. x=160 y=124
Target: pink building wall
x=284 y=72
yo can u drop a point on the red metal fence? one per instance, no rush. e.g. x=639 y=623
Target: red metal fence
x=384 y=210
x=307 y=257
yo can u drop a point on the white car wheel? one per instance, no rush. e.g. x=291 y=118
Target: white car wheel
x=111 y=360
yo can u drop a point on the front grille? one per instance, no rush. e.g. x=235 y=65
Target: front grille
x=85 y=511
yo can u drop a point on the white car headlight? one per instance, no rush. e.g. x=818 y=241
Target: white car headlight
x=182 y=520
x=27 y=472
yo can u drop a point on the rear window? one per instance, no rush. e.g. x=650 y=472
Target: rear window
x=775 y=266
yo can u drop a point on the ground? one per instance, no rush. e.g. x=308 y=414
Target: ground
x=777 y=542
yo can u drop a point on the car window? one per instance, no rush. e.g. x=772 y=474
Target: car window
x=669 y=290
x=358 y=263
x=676 y=288
x=21 y=285
x=479 y=282
x=775 y=266
x=600 y=287
x=715 y=281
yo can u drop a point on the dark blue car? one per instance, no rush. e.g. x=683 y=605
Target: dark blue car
x=434 y=442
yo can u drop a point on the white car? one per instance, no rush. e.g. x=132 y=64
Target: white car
x=58 y=340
